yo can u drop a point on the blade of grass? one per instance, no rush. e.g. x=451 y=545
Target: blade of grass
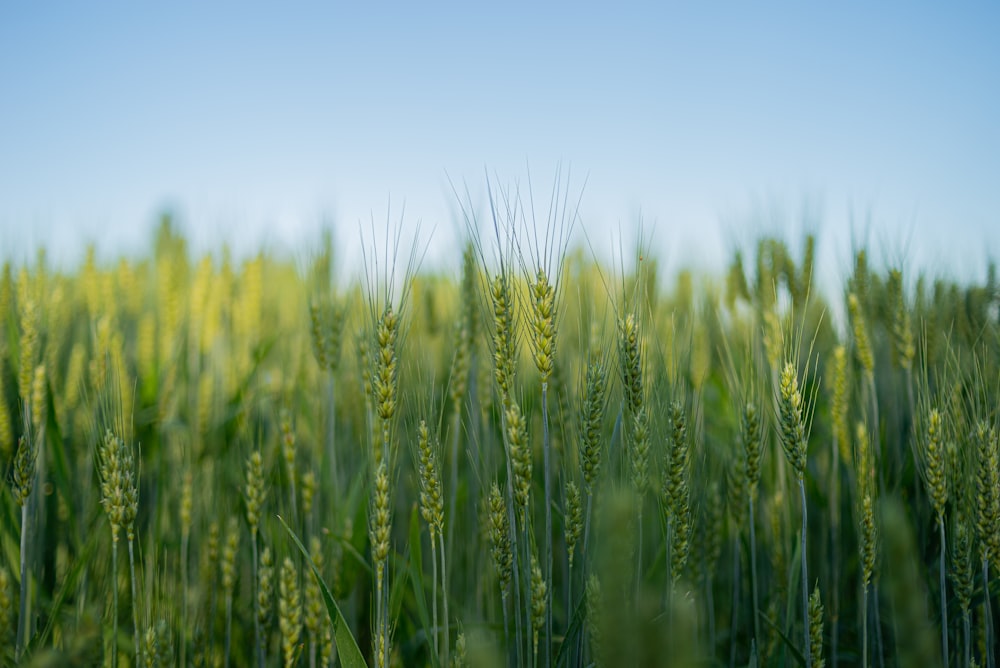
x=68 y=585
x=347 y=647
x=785 y=639
x=569 y=643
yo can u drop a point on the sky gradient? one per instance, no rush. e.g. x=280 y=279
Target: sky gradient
x=711 y=122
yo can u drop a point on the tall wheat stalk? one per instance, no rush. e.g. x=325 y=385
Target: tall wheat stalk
x=112 y=468
x=131 y=487
x=635 y=420
x=228 y=567
x=186 y=508
x=868 y=531
x=988 y=519
x=544 y=340
x=677 y=494
x=255 y=495
x=751 y=431
x=432 y=510
x=936 y=479
x=26 y=456
x=24 y=479
x=593 y=405
x=795 y=415
x=385 y=388
x=501 y=550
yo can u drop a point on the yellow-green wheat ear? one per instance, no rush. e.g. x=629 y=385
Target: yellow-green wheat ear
x=591 y=418
x=675 y=482
x=987 y=497
x=112 y=475
x=431 y=493
x=289 y=613
x=229 y=551
x=308 y=492
x=386 y=363
x=862 y=344
x=317 y=334
x=24 y=470
x=792 y=420
x=380 y=522
x=840 y=404
x=935 y=462
x=187 y=503
x=500 y=546
x=504 y=336
x=869 y=539
x=574 y=519
x=751 y=433
x=130 y=488
x=630 y=361
x=327 y=319
x=39 y=385
x=677 y=492
x=773 y=341
x=265 y=586
x=904 y=347
x=461 y=659
x=255 y=493
x=520 y=455
x=816 y=628
x=288 y=443
x=466 y=330
x=538 y=600
x=28 y=340
x=6 y=426
x=543 y=324
x=640 y=451
x=313 y=607
x=151 y=647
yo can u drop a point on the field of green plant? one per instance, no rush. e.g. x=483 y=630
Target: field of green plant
x=538 y=461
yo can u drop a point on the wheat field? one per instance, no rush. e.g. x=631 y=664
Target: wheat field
x=538 y=460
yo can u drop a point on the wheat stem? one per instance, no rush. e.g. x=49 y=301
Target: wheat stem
x=257 y=635
x=22 y=619
x=753 y=573
x=434 y=603
x=444 y=598
x=734 y=624
x=547 y=463
x=516 y=566
x=990 y=661
x=967 y=636
x=184 y=602
x=864 y=625
x=944 y=594
x=135 y=602
x=805 y=576
x=114 y=604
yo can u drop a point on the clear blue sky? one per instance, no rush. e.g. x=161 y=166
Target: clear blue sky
x=257 y=122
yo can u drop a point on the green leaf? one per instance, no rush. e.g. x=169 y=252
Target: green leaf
x=347 y=647
x=791 y=646
x=69 y=585
x=569 y=643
